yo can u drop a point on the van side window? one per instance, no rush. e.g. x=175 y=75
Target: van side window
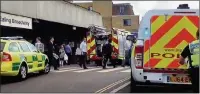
x=24 y=47
x=13 y=47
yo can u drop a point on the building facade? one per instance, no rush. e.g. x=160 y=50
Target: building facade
x=114 y=15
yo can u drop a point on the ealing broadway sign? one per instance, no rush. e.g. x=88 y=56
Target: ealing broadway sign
x=15 y=21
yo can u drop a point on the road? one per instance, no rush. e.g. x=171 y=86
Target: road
x=70 y=79
x=73 y=79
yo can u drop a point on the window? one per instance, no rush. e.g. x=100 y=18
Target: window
x=121 y=10
x=90 y=8
x=13 y=47
x=32 y=47
x=24 y=47
x=127 y=22
x=2 y=46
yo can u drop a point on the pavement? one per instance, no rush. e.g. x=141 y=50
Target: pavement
x=69 y=79
x=73 y=79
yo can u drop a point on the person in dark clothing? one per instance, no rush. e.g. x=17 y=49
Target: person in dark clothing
x=191 y=52
x=68 y=51
x=51 y=50
x=57 y=53
x=107 y=50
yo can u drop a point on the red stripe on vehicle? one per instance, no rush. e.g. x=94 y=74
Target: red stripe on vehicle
x=183 y=35
x=116 y=50
x=115 y=40
x=195 y=20
x=91 y=49
x=154 y=18
x=146 y=45
x=164 y=29
x=90 y=40
x=174 y=64
x=152 y=62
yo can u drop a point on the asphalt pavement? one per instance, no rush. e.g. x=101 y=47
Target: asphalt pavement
x=69 y=79
x=73 y=79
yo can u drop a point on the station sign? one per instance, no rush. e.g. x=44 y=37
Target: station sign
x=15 y=21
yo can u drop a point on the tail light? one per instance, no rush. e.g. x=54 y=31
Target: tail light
x=6 y=57
x=139 y=56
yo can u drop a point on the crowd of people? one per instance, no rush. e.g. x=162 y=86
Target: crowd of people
x=60 y=55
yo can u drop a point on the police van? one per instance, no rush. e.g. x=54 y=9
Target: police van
x=162 y=36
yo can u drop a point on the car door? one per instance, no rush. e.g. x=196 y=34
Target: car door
x=38 y=55
x=29 y=56
x=14 y=51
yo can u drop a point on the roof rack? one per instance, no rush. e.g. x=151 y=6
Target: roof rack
x=12 y=38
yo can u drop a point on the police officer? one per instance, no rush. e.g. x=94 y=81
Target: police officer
x=107 y=50
x=192 y=52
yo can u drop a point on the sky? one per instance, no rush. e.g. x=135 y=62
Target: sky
x=141 y=7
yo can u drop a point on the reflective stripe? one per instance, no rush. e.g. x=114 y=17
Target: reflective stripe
x=194 y=49
x=167 y=37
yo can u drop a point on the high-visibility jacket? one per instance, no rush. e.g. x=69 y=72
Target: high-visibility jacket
x=194 y=50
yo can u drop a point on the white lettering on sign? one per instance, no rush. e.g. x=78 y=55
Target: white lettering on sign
x=15 y=21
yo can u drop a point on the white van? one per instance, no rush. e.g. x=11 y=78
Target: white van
x=162 y=36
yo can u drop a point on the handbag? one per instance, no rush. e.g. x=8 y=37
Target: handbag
x=65 y=57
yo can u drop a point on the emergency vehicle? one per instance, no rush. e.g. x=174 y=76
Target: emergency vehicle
x=19 y=57
x=162 y=36
x=97 y=36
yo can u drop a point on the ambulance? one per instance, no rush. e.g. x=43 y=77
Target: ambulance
x=97 y=36
x=162 y=36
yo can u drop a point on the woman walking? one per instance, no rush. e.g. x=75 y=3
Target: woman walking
x=62 y=54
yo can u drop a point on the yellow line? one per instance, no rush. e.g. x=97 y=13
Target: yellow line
x=111 y=85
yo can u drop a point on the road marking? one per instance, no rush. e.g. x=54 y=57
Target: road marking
x=129 y=70
x=109 y=70
x=66 y=70
x=121 y=87
x=112 y=85
x=86 y=70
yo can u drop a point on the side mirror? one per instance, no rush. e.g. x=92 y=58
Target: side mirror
x=131 y=38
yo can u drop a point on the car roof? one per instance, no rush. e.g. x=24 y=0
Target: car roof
x=7 y=40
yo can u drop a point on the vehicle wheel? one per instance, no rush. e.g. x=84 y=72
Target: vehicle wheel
x=133 y=86
x=22 y=75
x=46 y=69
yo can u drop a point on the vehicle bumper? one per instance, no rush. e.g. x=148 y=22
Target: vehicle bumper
x=9 y=69
x=10 y=73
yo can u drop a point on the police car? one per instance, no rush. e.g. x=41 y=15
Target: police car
x=162 y=35
x=19 y=57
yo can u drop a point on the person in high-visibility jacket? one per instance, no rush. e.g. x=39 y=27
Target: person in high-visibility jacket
x=192 y=52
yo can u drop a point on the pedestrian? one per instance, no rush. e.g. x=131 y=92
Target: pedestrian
x=78 y=54
x=68 y=51
x=51 y=53
x=39 y=45
x=57 y=48
x=191 y=52
x=62 y=54
x=107 y=50
x=127 y=51
x=83 y=48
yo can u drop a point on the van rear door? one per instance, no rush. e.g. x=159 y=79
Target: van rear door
x=169 y=35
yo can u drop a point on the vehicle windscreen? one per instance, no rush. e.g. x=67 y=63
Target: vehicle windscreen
x=2 y=46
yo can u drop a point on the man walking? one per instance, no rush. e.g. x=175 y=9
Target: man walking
x=107 y=52
x=51 y=53
x=68 y=51
x=83 y=48
x=192 y=52
x=39 y=45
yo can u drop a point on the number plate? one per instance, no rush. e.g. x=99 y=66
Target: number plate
x=178 y=79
